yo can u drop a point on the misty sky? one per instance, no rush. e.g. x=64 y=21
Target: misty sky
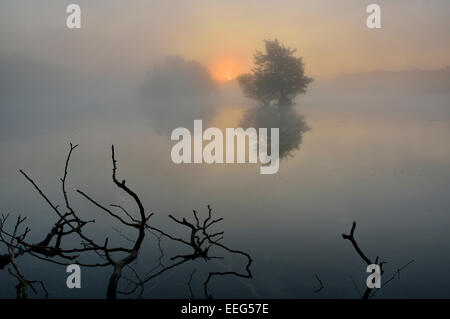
x=370 y=146
x=331 y=35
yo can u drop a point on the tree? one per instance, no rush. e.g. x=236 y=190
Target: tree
x=277 y=77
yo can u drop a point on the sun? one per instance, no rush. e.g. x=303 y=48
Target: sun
x=225 y=69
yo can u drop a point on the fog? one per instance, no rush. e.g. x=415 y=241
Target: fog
x=177 y=92
x=370 y=147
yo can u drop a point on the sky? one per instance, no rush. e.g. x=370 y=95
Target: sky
x=330 y=35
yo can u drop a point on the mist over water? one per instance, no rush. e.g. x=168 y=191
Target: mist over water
x=354 y=148
x=381 y=160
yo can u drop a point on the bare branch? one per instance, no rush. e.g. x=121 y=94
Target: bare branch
x=320 y=283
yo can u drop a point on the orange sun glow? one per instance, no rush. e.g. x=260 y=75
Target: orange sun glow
x=226 y=70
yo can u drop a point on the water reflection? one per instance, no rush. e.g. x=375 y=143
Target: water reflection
x=291 y=124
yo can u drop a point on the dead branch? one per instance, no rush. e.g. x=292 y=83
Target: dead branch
x=368 y=292
x=189 y=283
x=201 y=242
x=395 y=275
x=320 y=283
x=54 y=249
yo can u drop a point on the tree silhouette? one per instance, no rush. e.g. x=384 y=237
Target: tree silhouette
x=278 y=76
x=58 y=245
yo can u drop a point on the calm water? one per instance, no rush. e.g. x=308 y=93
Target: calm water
x=382 y=160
